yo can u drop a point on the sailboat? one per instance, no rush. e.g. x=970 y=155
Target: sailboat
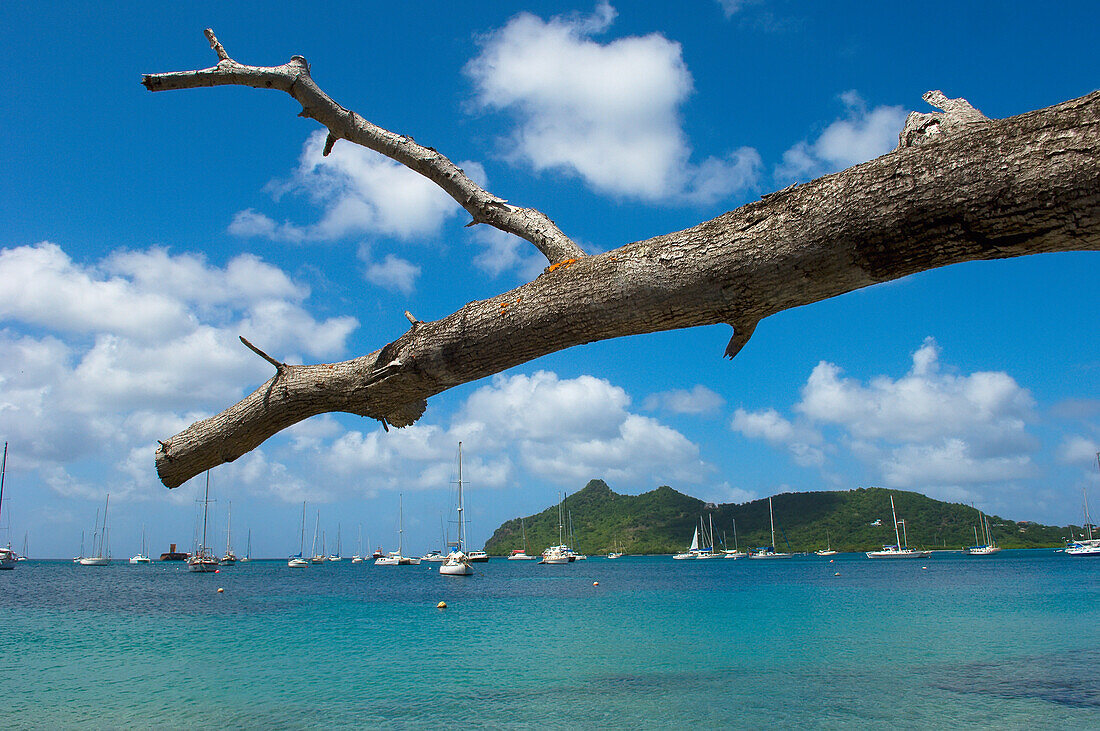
x=23 y=555
x=337 y=556
x=901 y=549
x=358 y=546
x=1088 y=546
x=142 y=557
x=736 y=552
x=435 y=555
x=520 y=554
x=988 y=546
x=7 y=556
x=828 y=551
x=457 y=562
x=203 y=560
x=229 y=557
x=560 y=553
x=769 y=551
x=297 y=562
x=617 y=551
x=248 y=548
x=314 y=556
x=577 y=555
x=707 y=530
x=395 y=558
x=99 y=541
x=77 y=559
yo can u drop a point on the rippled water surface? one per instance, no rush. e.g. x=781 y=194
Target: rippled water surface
x=950 y=641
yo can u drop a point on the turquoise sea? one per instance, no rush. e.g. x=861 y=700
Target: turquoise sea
x=1011 y=641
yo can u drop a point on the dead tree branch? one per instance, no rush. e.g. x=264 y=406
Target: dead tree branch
x=294 y=78
x=959 y=188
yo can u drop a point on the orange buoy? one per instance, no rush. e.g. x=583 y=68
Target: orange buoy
x=221 y=590
x=441 y=605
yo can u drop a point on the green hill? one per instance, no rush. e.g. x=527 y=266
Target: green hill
x=662 y=521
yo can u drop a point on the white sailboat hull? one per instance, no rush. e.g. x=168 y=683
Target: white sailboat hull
x=202 y=565
x=140 y=559
x=95 y=561
x=297 y=563
x=7 y=560
x=1084 y=548
x=770 y=555
x=902 y=553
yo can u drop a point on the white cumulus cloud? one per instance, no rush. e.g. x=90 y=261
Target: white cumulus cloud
x=698 y=400
x=862 y=134
x=607 y=112
x=103 y=358
x=359 y=192
x=930 y=429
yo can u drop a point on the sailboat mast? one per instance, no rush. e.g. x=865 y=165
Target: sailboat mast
x=205 y=510
x=316 y=527
x=894 y=513
x=771 y=517
x=559 y=518
x=104 y=544
x=302 y=534
x=400 y=526
x=3 y=469
x=95 y=534
x=228 y=526
x=735 y=534
x=461 y=519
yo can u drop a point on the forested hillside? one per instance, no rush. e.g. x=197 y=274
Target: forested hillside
x=662 y=521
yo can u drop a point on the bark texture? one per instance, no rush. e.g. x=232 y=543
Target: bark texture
x=960 y=187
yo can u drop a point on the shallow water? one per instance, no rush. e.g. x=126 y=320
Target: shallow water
x=1011 y=640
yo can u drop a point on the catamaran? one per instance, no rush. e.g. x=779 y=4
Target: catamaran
x=769 y=551
x=901 y=549
x=457 y=562
x=99 y=541
x=7 y=556
x=203 y=560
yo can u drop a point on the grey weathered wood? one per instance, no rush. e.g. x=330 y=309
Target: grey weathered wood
x=973 y=189
x=293 y=78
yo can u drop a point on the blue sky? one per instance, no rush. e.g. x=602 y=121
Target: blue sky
x=142 y=233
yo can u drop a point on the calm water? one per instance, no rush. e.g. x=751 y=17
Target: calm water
x=1011 y=640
